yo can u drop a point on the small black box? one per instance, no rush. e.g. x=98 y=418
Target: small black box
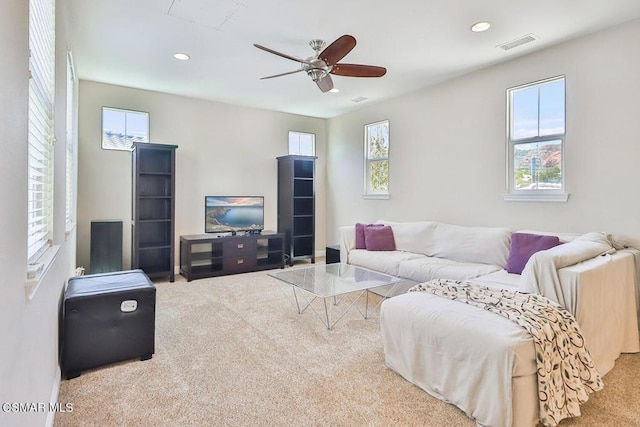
x=332 y=254
x=107 y=318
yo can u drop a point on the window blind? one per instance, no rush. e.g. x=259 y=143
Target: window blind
x=40 y=140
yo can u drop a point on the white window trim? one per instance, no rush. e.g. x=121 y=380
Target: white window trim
x=380 y=195
x=532 y=195
x=39 y=270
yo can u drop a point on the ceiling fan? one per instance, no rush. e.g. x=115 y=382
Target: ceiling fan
x=322 y=64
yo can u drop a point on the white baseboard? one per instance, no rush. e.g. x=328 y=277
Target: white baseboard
x=51 y=415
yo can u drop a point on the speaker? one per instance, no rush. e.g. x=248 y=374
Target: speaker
x=106 y=246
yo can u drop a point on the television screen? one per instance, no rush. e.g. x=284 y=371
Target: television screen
x=225 y=214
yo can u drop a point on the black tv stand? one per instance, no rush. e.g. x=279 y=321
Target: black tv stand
x=205 y=255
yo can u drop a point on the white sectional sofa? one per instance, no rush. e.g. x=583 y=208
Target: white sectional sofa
x=457 y=352
x=432 y=250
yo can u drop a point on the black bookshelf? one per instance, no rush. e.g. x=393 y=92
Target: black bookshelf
x=296 y=205
x=153 y=209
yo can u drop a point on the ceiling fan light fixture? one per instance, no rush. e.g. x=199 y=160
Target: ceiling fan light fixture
x=481 y=26
x=334 y=90
x=181 y=56
x=316 y=74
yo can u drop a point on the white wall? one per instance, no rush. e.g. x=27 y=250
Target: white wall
x=29 y=334
x=447 y=154
x=222 y=150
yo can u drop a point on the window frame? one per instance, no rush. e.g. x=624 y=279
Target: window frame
x=368 y=161
x=534 y=195
x=128 y=144
x=313 y=143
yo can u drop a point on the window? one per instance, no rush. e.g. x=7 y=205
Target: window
x=302 y=144
x=536 y=133
x=41 y=134
x=121 y=128
x=376 y=154
x=70 y=140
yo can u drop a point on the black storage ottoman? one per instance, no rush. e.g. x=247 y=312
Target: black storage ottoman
x=107 y=318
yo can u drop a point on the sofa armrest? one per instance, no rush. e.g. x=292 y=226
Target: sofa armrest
x=347 y=242
x=603 y=290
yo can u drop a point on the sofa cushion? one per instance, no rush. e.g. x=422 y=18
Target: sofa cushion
x=485 y=245
x=383 y=261
x=360 y=242
x=428 y=268
x=379 y=239
x=411 y=236
x=523 y=245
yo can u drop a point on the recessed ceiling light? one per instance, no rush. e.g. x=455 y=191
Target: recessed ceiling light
x=181 y=56
x=334 y=90
x=479 y=27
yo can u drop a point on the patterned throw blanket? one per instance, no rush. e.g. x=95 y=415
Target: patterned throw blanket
x=566 y=373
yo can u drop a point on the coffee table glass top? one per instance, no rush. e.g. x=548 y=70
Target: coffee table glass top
x=330 y=280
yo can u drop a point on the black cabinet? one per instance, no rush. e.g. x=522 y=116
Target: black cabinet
x=106 y=246
x=153 y=209
x=206 y=255
x=296 y=205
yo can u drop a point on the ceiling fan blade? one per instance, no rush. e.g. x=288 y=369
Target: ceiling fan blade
x=281 y=74
x=284 y=55
x=357 y=70
x=338 y=49
x=325 y=84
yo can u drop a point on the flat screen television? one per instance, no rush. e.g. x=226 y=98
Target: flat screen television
x=224 y=214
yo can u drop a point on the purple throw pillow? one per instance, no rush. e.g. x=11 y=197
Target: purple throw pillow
x=523 y=245
x=360 y=234
x=379 y=238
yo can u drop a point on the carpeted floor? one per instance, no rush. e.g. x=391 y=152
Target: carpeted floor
x=233 y=351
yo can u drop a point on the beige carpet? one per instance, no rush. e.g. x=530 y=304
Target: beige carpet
x=233 y=351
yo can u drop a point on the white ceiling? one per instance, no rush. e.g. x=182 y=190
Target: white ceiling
x=420 y=42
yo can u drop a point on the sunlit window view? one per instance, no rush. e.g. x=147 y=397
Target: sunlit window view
x=121 y=128
x=377 y=158
x=302 y=144
x=536 y=135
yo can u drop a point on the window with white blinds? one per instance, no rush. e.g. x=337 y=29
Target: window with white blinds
x=70 y=161
x=41 y=137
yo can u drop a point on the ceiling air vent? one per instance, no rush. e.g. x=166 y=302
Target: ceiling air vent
x=360 y=99
x=518 y=42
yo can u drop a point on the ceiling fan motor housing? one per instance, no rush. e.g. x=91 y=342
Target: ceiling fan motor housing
x=316 y=68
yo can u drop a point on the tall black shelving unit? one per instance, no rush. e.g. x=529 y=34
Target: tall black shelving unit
x=296 y=205
x=153 y=209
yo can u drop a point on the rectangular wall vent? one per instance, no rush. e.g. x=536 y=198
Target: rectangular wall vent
x=518 y=42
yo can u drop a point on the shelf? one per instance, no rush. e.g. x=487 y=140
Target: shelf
x=154 y=245
x=155 y=209
x=154 y=185
x=142 y=173
x=303 y=168
x=156 y=161
x=206 y=269
x=206 y=255
x=302 y=188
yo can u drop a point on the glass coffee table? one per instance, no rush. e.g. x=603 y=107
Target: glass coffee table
x=333 y=283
